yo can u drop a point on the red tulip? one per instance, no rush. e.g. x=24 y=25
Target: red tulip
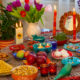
x=27 y=1
x=23 y=13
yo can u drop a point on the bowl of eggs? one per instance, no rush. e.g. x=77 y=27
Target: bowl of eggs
x=24 y=72
x=46 y=47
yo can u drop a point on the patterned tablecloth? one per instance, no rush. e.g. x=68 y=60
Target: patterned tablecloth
x=14 y=62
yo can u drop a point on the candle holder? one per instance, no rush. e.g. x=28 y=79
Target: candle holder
x=44 y=70
x=74 y=41
x=52 y=68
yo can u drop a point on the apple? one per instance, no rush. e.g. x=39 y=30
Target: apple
x=20 y=54
x=41 y=53
x=26 y=54
x=31 y=58
x=40 y=60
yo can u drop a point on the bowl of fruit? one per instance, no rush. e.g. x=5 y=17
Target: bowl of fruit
x=24 y=72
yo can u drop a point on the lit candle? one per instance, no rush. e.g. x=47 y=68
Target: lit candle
x=47 y=45
x=20 y=24
x=19 y=33
x=40 y=46
x=54 y=23
x=74 y=24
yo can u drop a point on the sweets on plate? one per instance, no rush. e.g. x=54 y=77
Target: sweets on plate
x=5 y=68
x=62 y=53
x=4 y=56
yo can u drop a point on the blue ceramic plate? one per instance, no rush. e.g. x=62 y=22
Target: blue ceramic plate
x=73 y=60
x=73 y=45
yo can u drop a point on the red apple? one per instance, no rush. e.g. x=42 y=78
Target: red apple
x=26 y=54
x=41 y=53
x=31 y=58
x=40 y=60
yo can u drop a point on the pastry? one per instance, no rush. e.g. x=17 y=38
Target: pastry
x=5 y=68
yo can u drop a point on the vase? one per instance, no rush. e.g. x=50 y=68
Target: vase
x=33 y=29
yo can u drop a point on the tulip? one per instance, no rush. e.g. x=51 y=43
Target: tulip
x=27 y=7
x=9 y=8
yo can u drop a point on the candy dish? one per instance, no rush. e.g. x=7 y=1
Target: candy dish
x=78 y=52
x=73 y=60
x=71 y=47
x=42 y=47
x=38 y=38
x=61 y=53
x=4 y=57
x=31 y=72
x=17 y=47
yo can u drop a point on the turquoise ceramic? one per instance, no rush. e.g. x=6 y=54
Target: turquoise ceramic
x=78 y=52
x=38 y=38
x=73 y=60
x=70 y=44
x=36 y=49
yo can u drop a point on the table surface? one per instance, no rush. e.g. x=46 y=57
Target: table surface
x=14 y=62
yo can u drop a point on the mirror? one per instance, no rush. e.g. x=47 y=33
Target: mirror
x=66 y=23
x=69 y=23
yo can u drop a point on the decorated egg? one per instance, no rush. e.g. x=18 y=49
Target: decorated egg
x=20 y=54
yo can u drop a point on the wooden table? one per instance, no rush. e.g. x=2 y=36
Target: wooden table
x=14 y=62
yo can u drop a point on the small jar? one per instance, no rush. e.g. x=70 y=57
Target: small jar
x=44 y=70
x=52 y=68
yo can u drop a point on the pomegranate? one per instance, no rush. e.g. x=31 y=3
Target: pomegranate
x=31 y=58
x=40 y=60
x=41 y=53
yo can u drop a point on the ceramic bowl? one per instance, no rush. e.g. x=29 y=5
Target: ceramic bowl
x=38 y=38
x=60 y=43
x=47 y=50
x=26 y=77
x=78 y=52
x=73 y=60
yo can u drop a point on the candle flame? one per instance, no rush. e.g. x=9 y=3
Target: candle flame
x=54 y=7
x=20 y=24
x=73 y=9
x=16 y=25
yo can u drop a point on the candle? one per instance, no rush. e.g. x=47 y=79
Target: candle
x=74 y=24
x=54 y=23
x=44 y=69
x=52 y=68
x=40 y=46
x=19 y=33
x=47 y=45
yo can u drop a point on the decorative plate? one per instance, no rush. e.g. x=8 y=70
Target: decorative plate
x=4 y=56
x=61 y=57
x=71 y=47
x=73 y=60
x=17 y=47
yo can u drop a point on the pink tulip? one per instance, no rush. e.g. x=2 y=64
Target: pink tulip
x=48 y=8
x=31 y=2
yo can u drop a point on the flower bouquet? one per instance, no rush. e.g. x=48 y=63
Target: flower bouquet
x=32 y=13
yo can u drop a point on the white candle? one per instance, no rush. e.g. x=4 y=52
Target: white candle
x=19 y=33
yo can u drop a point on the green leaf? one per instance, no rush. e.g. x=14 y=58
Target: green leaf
x=41 y=21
